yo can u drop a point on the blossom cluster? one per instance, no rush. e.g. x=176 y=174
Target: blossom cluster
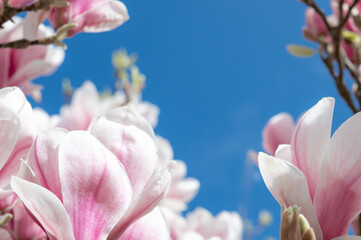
x=96 y=170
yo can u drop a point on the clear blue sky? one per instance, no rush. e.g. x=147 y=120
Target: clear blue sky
x=218 y=70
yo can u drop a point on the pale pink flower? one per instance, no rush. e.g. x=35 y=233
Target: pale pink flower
x=149 y=227
x=201 y=224
x=130 y=137
x=83 y=189
x=17 y=131
x=278 y=130
x=78 y=190
x=315 y=26
x=182 y=189
x=320 y=174
x=90 y=15
x=87 y=104
x=20 y=66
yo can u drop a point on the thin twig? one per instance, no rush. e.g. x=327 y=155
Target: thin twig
x=9 y=12
x=348 y=14
x=341 y=87
x=24 y=43
x=335 y=55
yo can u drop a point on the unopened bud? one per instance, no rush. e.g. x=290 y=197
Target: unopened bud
x=289 y=222
x=304 y=225
x=62 y=32
x=306 y=232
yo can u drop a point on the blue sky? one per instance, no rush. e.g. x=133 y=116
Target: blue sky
x=218 y=70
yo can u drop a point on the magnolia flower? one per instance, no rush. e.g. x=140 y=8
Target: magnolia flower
x=315 y=26
x=80 y=190
x=320 y=174
x=87 y=104
x=278 y=130
x=201 y=225
x=20 y=66
x=130 y=137
x=182 y=190
x=17 y=131
x=90 y=16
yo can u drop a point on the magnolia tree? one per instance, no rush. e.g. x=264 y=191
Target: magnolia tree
x=316 y=177
x=96 y=170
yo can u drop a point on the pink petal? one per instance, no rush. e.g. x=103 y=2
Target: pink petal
x=347 y=238
x=288 y=186
x=5 y=235
x=9 y=131
x=96 y=189
x=83 y=108
x=153 y=193
x=149 y=227
x=45 y=207
x=23 y=226
x=15 y=99
x=43 y=159
x=310 y=140
x=131 y=139
x=32 y=22
x=338 y=191
x=284 y=152
x=38 y=65
x=104 y=16
x=149 y=111
x=278 y=130
x=315 y=23
x=91 y=16
x=20 y=3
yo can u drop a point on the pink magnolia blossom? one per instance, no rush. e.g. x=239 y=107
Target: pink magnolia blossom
x=90 y=16
x=315 y=26
x=201 y=225
x=182 y=190
x=78 y=188
x=87 y=104
x=17 y=131
x=278 y=130
x=320 y=174
x=20 y=66
x=130 y=137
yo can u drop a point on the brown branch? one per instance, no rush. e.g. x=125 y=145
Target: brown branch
x=9 y=12
x=56 y=39
x=335 y=55
x=24 y=43
x=341 y=87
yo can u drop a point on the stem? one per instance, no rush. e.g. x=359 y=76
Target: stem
x=9 y=12
x=330 y=57
x=341 y=87
x=24 y=43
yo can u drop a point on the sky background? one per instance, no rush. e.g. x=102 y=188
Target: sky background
x=218 y=70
